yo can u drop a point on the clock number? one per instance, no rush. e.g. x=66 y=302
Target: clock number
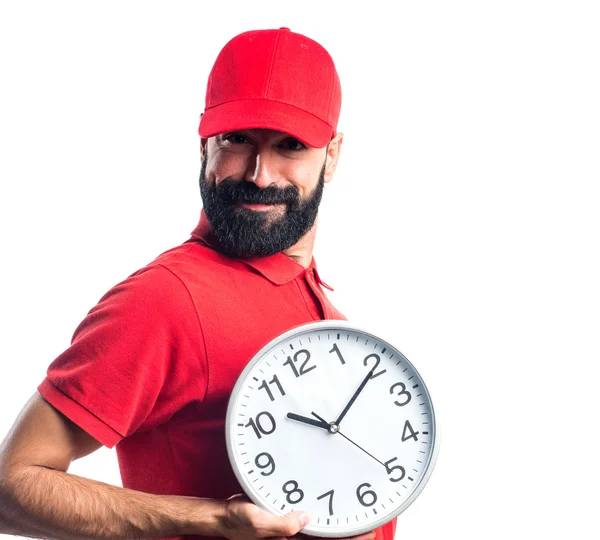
x=409 y=428
x=377 y=360
x=362 y=496
x=403 y=392
x=265 y=385
x=258 y=427
x=337 y=351
x=303 y=369
x=394 y=468
x=295 y=489
x=330 y=493
x=270 y=463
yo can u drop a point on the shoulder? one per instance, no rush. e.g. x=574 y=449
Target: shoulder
x=199 y=266
x=192 y=255
x=148 y=297
x=167 y=286
x=164 y=276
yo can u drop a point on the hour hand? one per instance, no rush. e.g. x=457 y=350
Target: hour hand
x=307 y=420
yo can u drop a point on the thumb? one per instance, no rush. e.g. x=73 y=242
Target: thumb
x=294 y=522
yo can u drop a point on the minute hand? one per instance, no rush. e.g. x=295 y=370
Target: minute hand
x=360 y=389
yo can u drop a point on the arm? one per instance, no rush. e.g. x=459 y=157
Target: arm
x=39 y=498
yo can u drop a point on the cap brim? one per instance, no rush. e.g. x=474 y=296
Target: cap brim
x=265 y=114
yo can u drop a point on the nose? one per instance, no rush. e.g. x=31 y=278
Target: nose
x=260 y=170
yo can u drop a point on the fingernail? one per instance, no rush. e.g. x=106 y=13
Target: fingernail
x=305 y=519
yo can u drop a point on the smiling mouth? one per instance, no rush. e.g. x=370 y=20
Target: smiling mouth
x=260 y=207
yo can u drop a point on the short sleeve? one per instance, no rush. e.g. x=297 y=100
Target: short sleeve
x=136 y=359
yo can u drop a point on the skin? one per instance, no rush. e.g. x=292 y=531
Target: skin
x=39 y=498
x=267 y=157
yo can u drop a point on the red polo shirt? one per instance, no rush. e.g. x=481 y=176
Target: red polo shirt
x=151 y=367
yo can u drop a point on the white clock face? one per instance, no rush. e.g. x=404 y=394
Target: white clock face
x=334 y=421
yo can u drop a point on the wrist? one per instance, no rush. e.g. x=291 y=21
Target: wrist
x=206 y=517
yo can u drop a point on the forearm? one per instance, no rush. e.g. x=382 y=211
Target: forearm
x=47 y=503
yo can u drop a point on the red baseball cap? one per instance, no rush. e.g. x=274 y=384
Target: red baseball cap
x=273 y=79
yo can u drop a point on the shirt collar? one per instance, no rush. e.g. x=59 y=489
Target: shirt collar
x=278 y=269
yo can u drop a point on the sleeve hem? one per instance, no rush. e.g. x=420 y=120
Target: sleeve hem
x=78 y=414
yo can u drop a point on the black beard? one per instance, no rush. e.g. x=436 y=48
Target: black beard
x=244 y=233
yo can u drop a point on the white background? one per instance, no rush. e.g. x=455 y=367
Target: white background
x=462 y=224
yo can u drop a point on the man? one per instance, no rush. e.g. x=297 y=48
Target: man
x=151 y=367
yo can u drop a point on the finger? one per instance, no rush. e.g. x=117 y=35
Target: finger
x=288 y=525
x=366 y=536
x=259 y=523
x=239 y=496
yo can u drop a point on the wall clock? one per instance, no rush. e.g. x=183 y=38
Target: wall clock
x=333 y=420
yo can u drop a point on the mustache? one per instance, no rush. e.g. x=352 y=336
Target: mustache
x=242 y=191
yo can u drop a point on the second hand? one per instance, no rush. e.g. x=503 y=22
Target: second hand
x=350 y=440
x=362 y=449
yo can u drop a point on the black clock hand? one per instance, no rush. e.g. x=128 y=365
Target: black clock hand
x=306 y=420
x=360 y=389
x=362 y=449
x=335 y=429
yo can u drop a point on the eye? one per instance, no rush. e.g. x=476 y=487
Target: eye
x=235 y=138
x=292 y=144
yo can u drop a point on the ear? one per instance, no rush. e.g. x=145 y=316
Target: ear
x=203 y=148
x=333 y=153
x=202 y=144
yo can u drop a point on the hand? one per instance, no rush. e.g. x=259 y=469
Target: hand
x=319 y=423
x=360 y=389
x=243 y=520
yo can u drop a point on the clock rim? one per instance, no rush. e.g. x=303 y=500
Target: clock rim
x=229 y=425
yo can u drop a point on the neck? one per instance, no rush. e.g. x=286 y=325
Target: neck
x=302 y=251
